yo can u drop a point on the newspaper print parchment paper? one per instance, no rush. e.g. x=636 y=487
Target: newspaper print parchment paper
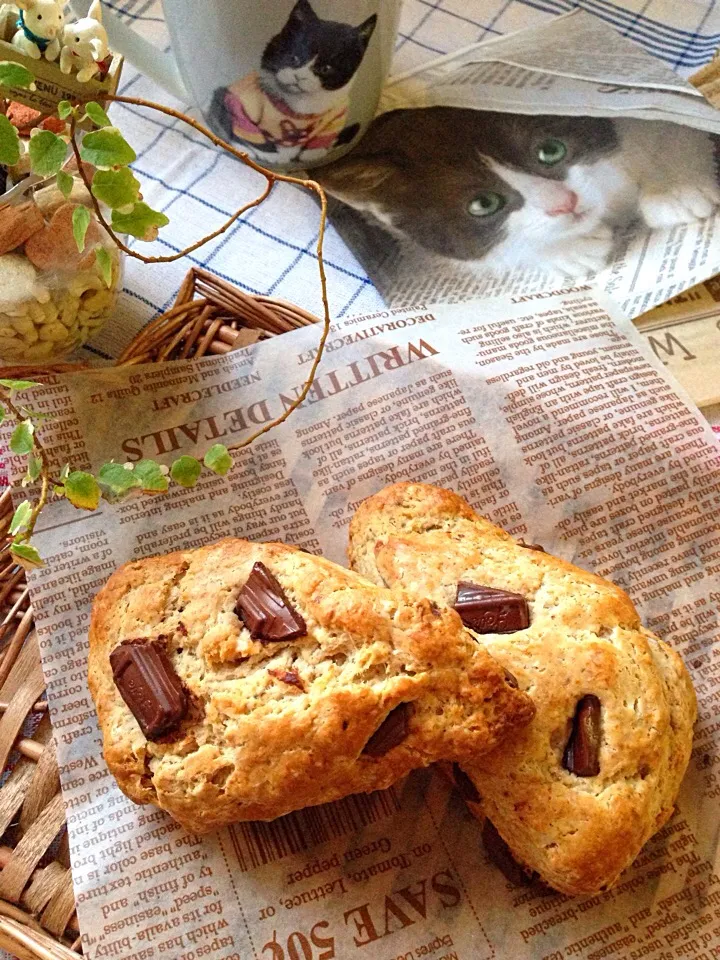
x=556 y=421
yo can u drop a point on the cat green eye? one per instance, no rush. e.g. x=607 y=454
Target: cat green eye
x=485 y=204
x=551 y=151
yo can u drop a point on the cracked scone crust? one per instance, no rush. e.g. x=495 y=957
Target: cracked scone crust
x=585 y=637
x=254 y=746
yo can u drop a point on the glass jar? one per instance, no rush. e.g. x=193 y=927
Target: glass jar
x=53 y=297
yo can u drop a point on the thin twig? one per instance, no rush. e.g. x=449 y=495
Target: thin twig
x=130 y=251
x=321 y=344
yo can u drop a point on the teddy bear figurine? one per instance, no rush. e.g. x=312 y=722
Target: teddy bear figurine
x=40 y=24
x=85 y=45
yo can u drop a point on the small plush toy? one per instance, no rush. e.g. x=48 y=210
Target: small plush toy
x=85 y=44
x=40 y=24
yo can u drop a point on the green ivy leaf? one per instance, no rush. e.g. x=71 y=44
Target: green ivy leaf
x=64 y=183
x=47 y=153
x=34 y=468
x=9 y=142
x=64 y=109
x=142 y=222
x=218 y=459
x=115 y=480
x=26 y=555
x=106 y=148
x=19 y=384
x=82 y=490
x=117 y=188
x=15 y=75
x=80 y=223
x=151 y=477
x=185 y=471
x=2 y=413
x=21 y=441
x=97 y=114
x=104 y=262
x=21 y=517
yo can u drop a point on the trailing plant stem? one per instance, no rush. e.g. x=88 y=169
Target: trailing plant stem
x=271 y=177
x=45 y=477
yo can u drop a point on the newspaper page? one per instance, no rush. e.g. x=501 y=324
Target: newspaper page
x=684 y=334
x=582 y=65
x=575 y=66
x=555 y=420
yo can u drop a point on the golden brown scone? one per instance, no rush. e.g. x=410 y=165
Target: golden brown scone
x=275 y=726
x=585 y=638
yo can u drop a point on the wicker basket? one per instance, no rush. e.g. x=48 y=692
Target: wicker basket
x=37 y=903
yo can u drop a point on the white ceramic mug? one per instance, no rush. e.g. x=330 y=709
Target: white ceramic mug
x=293 y=82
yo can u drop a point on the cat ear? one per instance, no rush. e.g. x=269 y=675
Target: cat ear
x=355 y=180
x=365 y=30
x=302 y=12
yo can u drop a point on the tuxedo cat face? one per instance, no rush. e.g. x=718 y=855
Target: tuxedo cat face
x=311 y=55
x=464 y=182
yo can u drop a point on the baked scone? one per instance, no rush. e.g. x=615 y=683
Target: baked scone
x=577 y=792
x=244 y=680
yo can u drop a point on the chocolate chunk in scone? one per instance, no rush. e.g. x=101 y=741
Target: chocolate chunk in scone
x=582 y=753
x=391 y=732
x=487 y=610
x=266 y=611
x=287 y=676
x=148 y=684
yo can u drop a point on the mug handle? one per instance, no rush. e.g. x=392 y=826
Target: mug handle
x=159 y=67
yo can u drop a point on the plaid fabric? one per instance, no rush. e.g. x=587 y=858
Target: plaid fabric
x=271 y=250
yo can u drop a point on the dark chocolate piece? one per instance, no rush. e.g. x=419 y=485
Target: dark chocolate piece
x=287 y=676
x=533 y=546
x=487 y=610
x=466 y=788
x=148 y=684
x=391 y=732
x=266 y=611
x=582 y=753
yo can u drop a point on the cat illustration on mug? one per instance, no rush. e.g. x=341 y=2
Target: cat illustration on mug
x=295 y=106
x=494 y=191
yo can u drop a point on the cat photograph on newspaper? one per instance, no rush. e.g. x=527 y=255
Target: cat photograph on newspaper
x=492 y=172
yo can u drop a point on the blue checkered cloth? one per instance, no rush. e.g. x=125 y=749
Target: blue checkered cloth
x=271 y=249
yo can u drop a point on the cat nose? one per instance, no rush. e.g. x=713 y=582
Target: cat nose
x=563 y=204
